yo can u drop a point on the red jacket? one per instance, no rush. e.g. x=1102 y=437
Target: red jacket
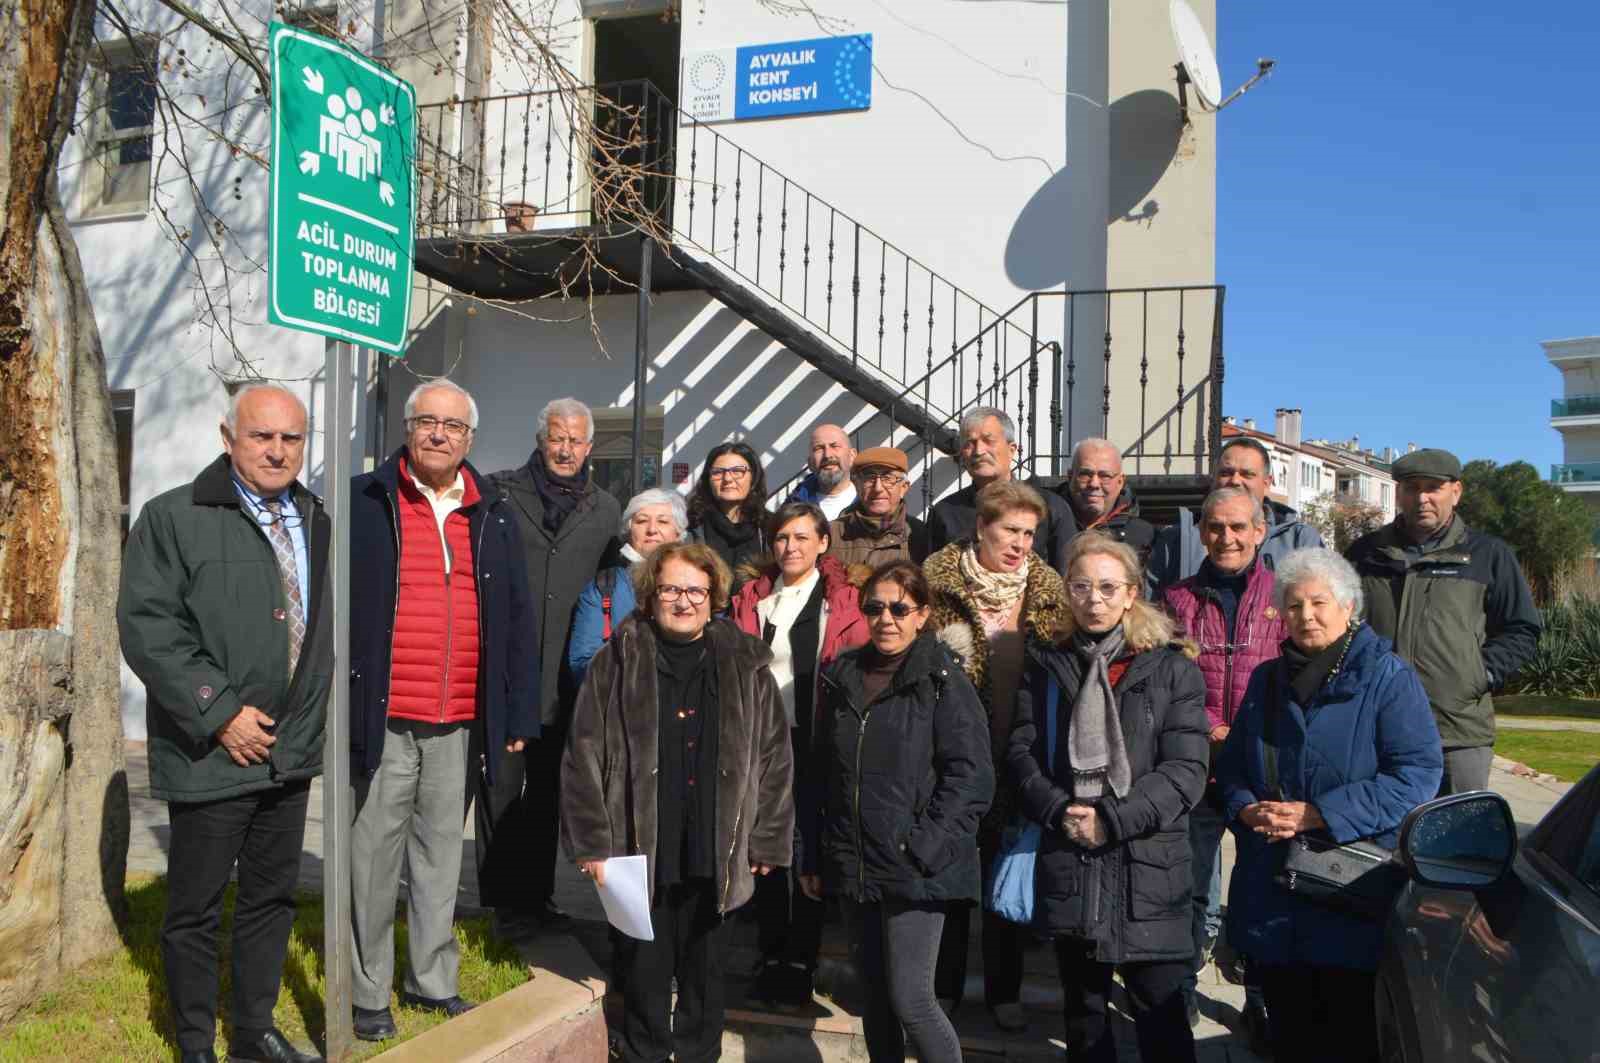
x=1259 y=631
x=433 y=674
x=846 y=627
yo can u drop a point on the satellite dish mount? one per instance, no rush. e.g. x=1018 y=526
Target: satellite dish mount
x=1197 y=63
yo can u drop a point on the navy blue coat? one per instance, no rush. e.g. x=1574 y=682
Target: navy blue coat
x=1364 y=752
x=508 y=646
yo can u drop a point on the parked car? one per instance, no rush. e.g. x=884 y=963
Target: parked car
x=1492 y=953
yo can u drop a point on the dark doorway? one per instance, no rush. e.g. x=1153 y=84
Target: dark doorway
x=636 y=74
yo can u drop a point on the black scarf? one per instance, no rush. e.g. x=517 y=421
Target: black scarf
x=1307 y=672
x=733 y=535
x=560 y=494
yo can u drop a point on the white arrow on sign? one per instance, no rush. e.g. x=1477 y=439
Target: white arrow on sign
x=386 y=192
x=313 y=79
x=310 y=162
x=386 y=114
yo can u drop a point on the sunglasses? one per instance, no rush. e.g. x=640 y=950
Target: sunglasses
x=874 y=608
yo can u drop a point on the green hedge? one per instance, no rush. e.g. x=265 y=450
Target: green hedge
x=1567 y=662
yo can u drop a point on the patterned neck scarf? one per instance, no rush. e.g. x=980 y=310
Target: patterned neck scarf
x=993 y=591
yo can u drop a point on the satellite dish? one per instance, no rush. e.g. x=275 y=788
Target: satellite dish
x=1195 y=53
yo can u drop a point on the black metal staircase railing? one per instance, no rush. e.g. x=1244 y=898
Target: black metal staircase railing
x=624 y=153
x=1141 y=366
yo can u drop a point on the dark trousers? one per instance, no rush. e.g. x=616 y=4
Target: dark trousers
x=1319 y=1014
x=263 y=832
x=789 y=924
x=896 y=943
x=1002 y=943
x=690 y=944
x=1155 y=995
x=517 y=821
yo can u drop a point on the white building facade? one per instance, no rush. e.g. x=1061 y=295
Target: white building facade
x=808 y=264
x=1576 y=415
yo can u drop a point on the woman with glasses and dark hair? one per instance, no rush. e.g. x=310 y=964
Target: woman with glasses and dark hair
x=1108 y=754
x=991 y=595
x=805 y=608
x=729 y=505
x=679 y=750
x=891 y=818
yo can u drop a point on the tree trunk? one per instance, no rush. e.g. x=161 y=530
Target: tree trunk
x=63 y=789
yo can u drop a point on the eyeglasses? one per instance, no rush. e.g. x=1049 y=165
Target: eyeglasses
x=874 y=608
x=1085 y=476
x=730 y=472
x=1082 y=590
x=887 y=479
x=670 y=593
x=451 y=427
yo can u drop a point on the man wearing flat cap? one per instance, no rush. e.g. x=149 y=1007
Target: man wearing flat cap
x=1456 y=604
x=875 y=529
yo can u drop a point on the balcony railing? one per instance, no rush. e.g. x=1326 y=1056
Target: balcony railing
x=1578 y=472
x=1576 y=406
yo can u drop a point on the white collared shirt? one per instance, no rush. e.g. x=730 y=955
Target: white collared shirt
x=781 y=609
x=444 y=503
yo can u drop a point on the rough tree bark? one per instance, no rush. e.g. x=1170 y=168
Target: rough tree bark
x=63 y=790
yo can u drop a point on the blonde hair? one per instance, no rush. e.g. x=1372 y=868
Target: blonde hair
x=1143 y=626
x=1008 y=496
x=647 y=574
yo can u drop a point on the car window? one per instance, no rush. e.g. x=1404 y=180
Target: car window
x=1588 y=869
x=1570 y=833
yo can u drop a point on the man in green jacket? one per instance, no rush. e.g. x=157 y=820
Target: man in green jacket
x=1456 y=604
x=224 y=615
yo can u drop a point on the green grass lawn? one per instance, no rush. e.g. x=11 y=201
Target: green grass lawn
x=1550 y=708
x=1567 y=755
x=116 y=1009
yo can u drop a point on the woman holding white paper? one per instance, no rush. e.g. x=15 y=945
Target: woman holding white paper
x=679 y=751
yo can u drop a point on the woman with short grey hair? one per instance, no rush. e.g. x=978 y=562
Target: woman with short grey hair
x=1335 y=572
x=652 y=517
x=1335 y=741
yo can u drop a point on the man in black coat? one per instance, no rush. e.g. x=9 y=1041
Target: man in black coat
x=1101 y=500
x=567 y=524
x=225 y=615
x=988 y=451
x=443 y=662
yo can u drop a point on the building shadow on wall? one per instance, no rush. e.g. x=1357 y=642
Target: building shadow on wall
x=1146 y=130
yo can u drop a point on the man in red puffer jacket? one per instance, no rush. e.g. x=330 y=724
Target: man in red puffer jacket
x=1226 y=609
x=444 y=666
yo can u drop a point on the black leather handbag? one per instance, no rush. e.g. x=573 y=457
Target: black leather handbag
x=1359 y=878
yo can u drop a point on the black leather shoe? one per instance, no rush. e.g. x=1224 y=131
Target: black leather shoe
x=450 y=1006
x=268 y=1047
x=203 y=1055
x=552 y=917
x=374 y=1024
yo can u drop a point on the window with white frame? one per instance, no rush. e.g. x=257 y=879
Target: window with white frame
x=121 y=126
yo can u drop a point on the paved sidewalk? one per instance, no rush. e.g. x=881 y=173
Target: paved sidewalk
x=1532 y=723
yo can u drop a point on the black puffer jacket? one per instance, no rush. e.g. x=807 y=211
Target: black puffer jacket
x=1130 y=897
x=904 y=780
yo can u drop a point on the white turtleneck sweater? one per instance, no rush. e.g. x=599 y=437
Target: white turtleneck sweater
x=781 y=609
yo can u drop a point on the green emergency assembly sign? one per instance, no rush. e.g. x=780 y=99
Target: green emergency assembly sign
x=344 y=133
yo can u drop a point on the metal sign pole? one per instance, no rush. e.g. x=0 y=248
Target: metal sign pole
x=338 y=949
x=641 y=361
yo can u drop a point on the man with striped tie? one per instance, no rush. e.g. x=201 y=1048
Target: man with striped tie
x=224 y=614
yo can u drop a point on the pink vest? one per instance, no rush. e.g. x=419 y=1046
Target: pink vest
x=1259 y=630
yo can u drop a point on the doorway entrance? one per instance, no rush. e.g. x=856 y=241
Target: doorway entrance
x=636 y=79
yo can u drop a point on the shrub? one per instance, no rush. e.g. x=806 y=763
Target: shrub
x=1567 y=661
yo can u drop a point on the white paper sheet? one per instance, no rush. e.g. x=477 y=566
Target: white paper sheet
x=626 y=896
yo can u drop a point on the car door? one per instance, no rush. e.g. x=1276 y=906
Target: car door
x=1524 y=977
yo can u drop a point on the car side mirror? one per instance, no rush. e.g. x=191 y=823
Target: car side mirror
x=1461 y=842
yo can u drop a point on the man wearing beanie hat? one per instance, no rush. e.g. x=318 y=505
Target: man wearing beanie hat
x=875 y=529
x=1456 y=604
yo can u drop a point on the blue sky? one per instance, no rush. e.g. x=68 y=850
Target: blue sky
x=1404 y=210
